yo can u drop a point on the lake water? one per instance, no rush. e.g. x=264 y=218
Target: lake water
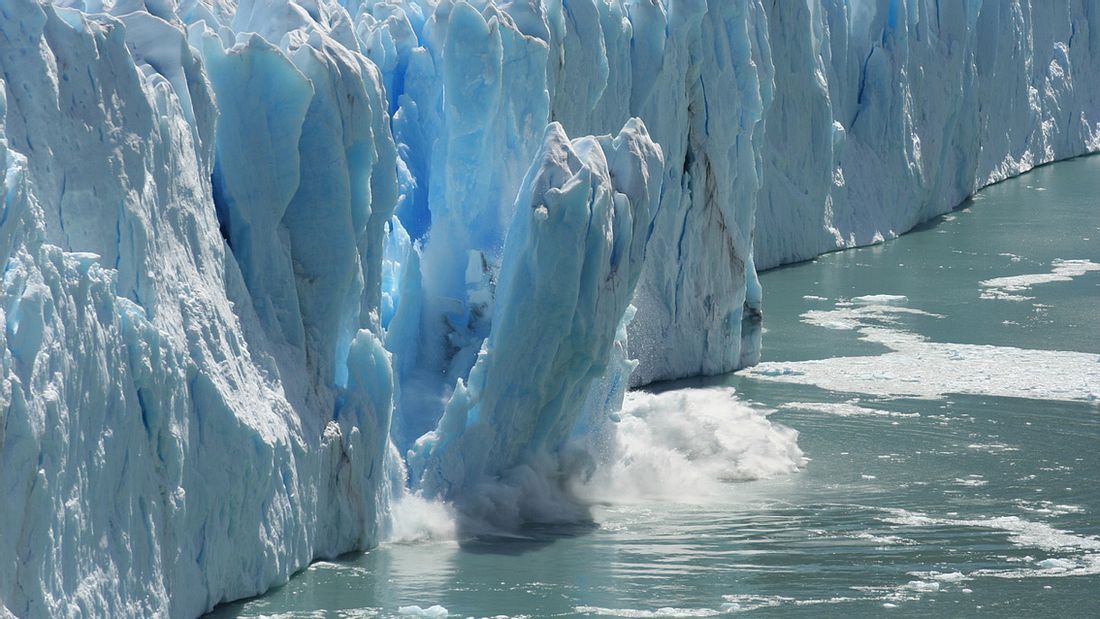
x=974 y=493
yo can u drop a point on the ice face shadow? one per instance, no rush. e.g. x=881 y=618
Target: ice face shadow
x=527 y=538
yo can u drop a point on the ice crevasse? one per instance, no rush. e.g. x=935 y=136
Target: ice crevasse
x=269 y=264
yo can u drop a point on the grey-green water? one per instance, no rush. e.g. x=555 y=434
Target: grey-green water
x=980 y=503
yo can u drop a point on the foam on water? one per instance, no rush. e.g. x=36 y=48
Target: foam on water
x=682 y=445
x=417 y=519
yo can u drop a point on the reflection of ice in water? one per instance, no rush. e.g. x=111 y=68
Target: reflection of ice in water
x=1003 y=288
x=916 y=367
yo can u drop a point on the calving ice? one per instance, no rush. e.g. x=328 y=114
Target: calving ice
x=274 y=267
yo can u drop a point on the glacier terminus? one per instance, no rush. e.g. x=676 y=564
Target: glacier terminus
x=276 y=270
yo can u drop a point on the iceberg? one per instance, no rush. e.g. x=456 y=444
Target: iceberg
x=272 y=267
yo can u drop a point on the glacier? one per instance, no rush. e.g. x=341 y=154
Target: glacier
x=271 y=266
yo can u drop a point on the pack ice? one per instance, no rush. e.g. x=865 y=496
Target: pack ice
x=268 y=265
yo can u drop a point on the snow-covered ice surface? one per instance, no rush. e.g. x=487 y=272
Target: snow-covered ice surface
x=255 y=251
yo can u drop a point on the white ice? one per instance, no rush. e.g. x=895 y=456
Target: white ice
x=1006 y=288
x=917 y=367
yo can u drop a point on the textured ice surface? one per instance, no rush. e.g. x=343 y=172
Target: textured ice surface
x=174 y=429
x=887 y=113
x=255 y=251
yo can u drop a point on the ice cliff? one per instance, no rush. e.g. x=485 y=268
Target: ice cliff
x=269 y=264
x=889 y=113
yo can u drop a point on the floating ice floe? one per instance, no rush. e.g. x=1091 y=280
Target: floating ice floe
x=918 y=368
x=843 y=409
x=1006 y=288
x=434 y=611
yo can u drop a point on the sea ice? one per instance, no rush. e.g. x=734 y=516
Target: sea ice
x=917 y=367
x=1005 y=288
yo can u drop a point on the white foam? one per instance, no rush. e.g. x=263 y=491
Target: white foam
x=992 y=447
x=1054 y=564
x=747 y=602
x=918 y=368
x=1085 y=565
x=298 y=614
x=1048 y=507
x=1004 y=288
x=1021 y=532
x=681 y=445
x=970 y=482
x=352 y=613
x=416 y=519
x=884 y=540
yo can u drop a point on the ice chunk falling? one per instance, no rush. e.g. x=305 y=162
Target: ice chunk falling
x=572 y=258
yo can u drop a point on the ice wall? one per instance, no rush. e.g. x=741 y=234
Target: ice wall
x=162 y=447
x=889 y=113
x=259 y=252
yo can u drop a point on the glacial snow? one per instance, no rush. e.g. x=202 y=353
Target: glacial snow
x=256 y=251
